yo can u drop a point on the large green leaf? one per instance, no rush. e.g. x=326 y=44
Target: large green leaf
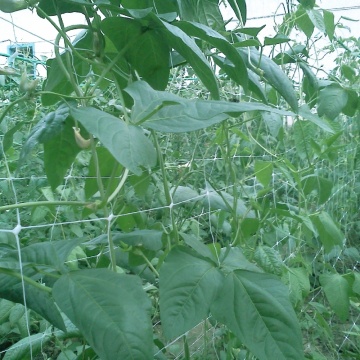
x=329 y=23
x=149 y=239
x=256 y=308
x=263 y=171
x=50 y=126
x=27 y=348
x=352 y=104
x=205 y=12
x=299 y=284
x=232 y=258
x=317 y=19
x=229 y=68
x=239 y=8
x=127 y=143
x=332 y=99
x=273 y=74
x=303 y=21
x=12 y=288
x=269 y=259
x=54 y=7
x=186 y=46
x=48 y=253
x=303 y=133
x=160 y=6
x=59 y=153
x=166 y=112
x=221 y=200
x=146 y=51
x=336 y=289
x=329 y=233
x=214 y=38
x=306 y=114
x=188 y=285
x=111 y=310
x=56 y=83
x=320 y=186
x=273 y=122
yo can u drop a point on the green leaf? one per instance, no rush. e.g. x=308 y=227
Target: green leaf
x=232 y=258
x=148 y=239
x=269 y=260
x=27 y=348
x=278 y=39
x=329 y=233
x=11 y=288
x=299 y=284
x=160 y=6
x=356 y=285
x=49 y=127
x=229 y=68
x=273 y=74
x=332 y=99
x=5 y=309
x=9 y=136
x=111 y=310
x=146 y=51
x=127 y=143
x=317 y=19
x=186 y=46
x=352 y=104
x=291 y=55
x=322 y=187
x=188 y=284
x=59 y=153
x=107 y=166
x=303 y=133
x=348 y=72
x=263 y=171
x=306 y=114
x=206 y=12
x=303 y=22
x=54 y=7
x=329 y=23
x=252 y=31
x=307 y=3
x=239 y=8
x=166 y=112
x=221 y=200
x=274 y=122
x=214 y=38
x=256 y=308
x=49 y=253
x=56 y=82
x=184 y=194
x=336 y=289
x=199 y=247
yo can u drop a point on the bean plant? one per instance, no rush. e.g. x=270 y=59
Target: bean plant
x=143 y=88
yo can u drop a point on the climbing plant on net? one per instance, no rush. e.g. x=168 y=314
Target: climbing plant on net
x=173 y=194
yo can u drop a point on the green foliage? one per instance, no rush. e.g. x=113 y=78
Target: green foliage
x=111 y=311
x=197 y=177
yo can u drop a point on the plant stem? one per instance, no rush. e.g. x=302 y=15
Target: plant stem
x=166 y=187
x=42 y=203
x=111 y=247
x=26 y=279
x=119 y=187
x=151 y=266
